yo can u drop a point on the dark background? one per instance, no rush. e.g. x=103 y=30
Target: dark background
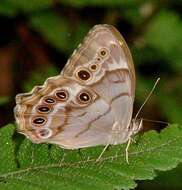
x=38 y=36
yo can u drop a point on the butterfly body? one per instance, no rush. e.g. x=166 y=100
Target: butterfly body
x=90 y=103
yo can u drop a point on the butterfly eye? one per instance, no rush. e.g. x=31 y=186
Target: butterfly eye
x=44 y=133
x=39 y=121
x=43 y=109
x=83 y=74
x=103 y=52
x=49 y=100
x=84 y=97
x=62 y=95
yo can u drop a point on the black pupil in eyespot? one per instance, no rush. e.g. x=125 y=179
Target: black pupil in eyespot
x=84 y=75
x=84 y=97
x=49 y=100
x=103 y=52
x=43 y=109
x=62 y=95
x=39 y=121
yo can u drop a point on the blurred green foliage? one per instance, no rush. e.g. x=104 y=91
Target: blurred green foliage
x=4 y=99
x=164 y=34
x=153 y=30
x=165 y=180
x=38 y=77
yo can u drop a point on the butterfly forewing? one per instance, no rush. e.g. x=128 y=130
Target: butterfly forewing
x=113 y=78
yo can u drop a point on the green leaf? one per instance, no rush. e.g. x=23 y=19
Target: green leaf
x=42 y=166
x=7 y=147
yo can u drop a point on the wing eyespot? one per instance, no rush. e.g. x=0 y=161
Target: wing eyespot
x=43 y=109
x=84 y=97
x=44 y=133
x=99 y=59
x=93 y=67
x=49 y=100
x=83 y=74
x=62 y=95
x=103 y=52
x=39 y=121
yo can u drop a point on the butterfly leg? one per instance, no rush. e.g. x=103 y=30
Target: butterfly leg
x=137 y=127
x=126 y=150
x=130 y=140
x=104 y=149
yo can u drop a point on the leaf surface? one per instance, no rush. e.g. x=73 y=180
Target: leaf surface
x=44 y=167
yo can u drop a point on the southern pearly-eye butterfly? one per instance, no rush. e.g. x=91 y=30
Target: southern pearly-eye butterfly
x=90 y=103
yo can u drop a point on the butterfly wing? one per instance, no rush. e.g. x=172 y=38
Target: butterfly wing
x=90 y=103
x=104 y=64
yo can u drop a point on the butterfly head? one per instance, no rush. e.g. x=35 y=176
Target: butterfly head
x=136 y=125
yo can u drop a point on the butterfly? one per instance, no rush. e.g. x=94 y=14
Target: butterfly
x=90 y=103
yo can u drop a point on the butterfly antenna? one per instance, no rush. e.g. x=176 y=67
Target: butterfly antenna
x=156 y=121
x=149 y=95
